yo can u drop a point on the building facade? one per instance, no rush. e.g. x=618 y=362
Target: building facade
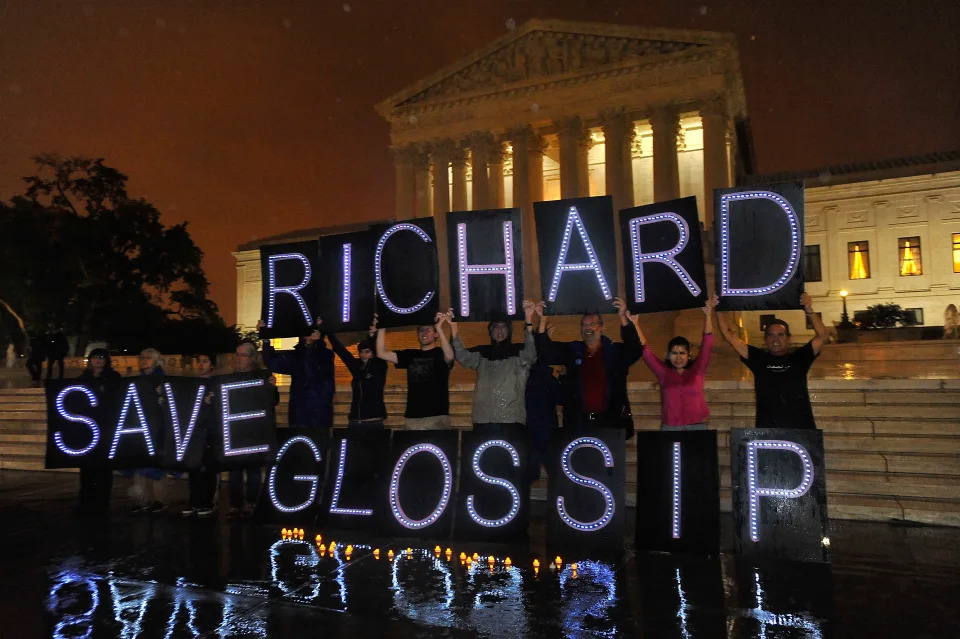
x=558 y=109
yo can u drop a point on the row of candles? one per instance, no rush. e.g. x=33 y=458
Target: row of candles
x=465 y=559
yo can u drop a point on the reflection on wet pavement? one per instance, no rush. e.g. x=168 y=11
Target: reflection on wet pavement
x=165 y=577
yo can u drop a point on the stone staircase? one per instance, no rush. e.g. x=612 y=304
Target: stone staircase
x=892 y=446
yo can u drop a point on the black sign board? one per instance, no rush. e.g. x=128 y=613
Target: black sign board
x=663 y=256
x=188 y=414
x=294 y=483
x=406 y=273
x=678 y=491
x=759 y=247
x=578 y=256
x=357 y=478
x=586 y=489
x=290 y=288
x=419 y=495
x=779 y=493
x=485 y=250
x=346 y=280
x=246 y=420
x=494 y=503
x=81 y=419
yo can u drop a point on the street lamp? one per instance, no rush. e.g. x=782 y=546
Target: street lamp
x=844 y=317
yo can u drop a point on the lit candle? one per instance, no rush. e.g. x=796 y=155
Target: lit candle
x=536 y=563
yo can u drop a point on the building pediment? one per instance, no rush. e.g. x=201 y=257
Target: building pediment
x=543 y=50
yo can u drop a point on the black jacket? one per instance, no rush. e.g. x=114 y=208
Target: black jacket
x=368 y=381
x=617 y=359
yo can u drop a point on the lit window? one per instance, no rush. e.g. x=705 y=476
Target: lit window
x=909 y=251
x=858 y=254
x=811 y=264
x=956 y=252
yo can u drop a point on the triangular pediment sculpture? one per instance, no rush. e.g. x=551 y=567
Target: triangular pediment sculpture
x=541 y=49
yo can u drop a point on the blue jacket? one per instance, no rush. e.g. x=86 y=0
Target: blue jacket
x=311 y=382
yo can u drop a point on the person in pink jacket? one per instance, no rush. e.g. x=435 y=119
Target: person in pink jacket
x=682 y=401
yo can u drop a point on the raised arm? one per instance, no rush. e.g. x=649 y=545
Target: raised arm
x=821 y=331
x=528 y=354
x=349 y=359
x=548 y=351
x=448 y=354
x=467 y=359
x=731 y=336
x=382 y=352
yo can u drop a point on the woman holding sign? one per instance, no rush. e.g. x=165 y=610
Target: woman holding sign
x=682 y=402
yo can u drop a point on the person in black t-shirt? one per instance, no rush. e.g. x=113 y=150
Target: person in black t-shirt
x=369 y=373
x=428 y=373
x=780 y=375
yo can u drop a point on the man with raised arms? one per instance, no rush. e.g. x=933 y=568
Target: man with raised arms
x=428 y=375
x=779 y=374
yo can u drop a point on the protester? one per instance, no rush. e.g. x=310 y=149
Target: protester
x=38 y=353
x=146 y=481
x=310 y=367
x=542 y=396
x=369 y=376
x=502 y=369
x=56 y=351
x=245 y=491
x=96 y=483
x=780 y=376
x=203 y=481
x=428 y=375
x=683 y=405
x=596 y=370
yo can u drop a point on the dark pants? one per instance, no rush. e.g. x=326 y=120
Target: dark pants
x=203 y=486
x=59 y=362
x=95 y=487
x=36 y=369
x=252 y=484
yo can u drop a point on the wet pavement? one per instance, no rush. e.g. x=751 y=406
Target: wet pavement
x=166 y=577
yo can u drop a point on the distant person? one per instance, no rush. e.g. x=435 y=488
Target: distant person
x=683 y=405
x=428 y=375
x=96 y=483
x=36 y=357
x=146 y=481
x=780 y=375
x=502 y=369
x=951 y=322
x=202 y=482
x=368 y=378
x=56 y=351
x=596 y=371
x=245 y=484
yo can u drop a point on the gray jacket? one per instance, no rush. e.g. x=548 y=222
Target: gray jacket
x=499 y=395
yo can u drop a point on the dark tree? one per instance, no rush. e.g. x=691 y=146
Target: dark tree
x=89 y=260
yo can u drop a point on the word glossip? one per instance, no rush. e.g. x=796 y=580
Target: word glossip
x=393 y=269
